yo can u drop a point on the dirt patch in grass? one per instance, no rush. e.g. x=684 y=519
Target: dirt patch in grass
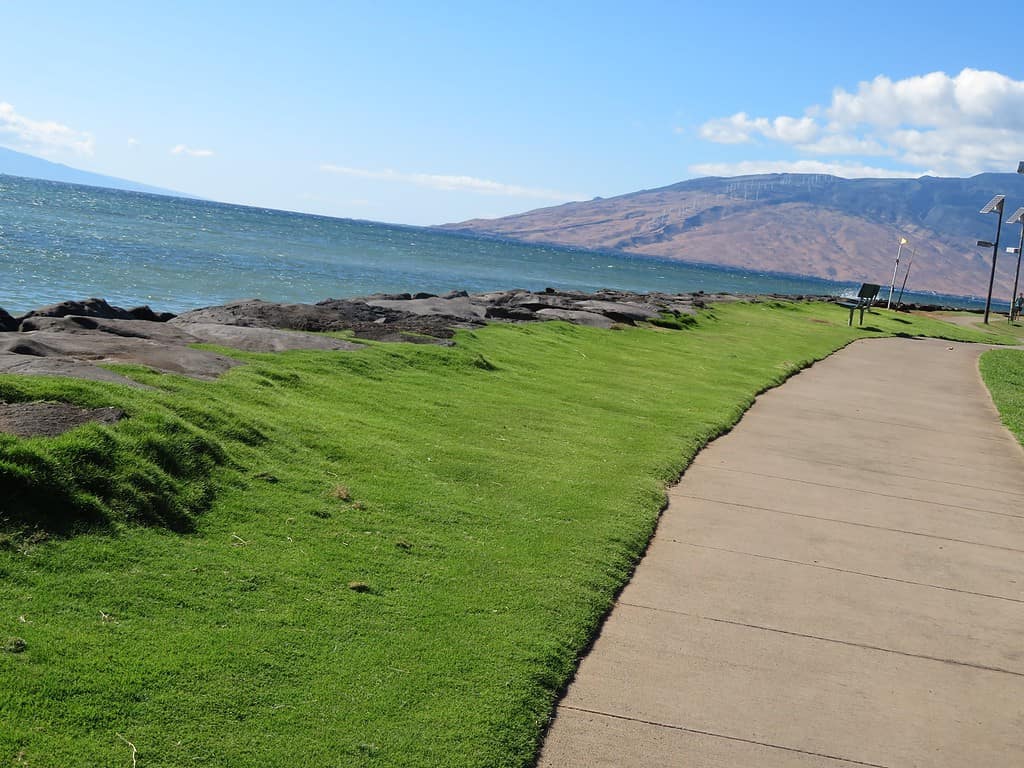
x=47 y=419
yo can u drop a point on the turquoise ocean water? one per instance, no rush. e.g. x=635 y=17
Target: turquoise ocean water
x=63 y=241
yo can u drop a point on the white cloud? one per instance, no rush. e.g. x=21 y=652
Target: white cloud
x=948 y=125
x=740 y=129
x=728 y=130
x=450 y=183
x=752 y=167
x=45 y=137
x=133 y=142
x=181 y=149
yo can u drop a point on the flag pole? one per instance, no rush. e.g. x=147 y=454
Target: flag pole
x=905 y=276
x=892 y=283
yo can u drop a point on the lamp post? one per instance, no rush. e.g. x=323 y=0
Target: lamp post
x=899 y=300
x=892 y=283
x=995 y=205
x=1016 y=218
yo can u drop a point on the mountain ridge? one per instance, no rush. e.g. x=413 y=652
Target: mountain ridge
x=14 y=163
x=806 y=224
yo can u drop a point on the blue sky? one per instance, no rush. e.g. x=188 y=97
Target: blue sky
x=427 y=113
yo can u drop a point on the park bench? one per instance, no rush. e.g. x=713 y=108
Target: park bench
x=865 y=298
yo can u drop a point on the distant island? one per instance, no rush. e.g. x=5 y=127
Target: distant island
x=805 y=224
x=20 y=164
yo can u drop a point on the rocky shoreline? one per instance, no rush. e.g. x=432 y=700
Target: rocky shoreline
x=73 y=338
x=76 y=338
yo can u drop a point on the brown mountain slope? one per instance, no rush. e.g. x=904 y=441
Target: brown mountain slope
x=846 y=230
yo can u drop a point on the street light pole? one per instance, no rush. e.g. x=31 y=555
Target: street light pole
x=892 y=283
x=1019 y=216
x=1016 y=218
x=995 y=205
x=899 y=301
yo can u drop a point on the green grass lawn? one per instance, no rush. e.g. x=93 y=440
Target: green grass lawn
x=1003 y=372
x=390 y=557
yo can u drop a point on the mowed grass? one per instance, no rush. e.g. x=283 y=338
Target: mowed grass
x=390 y=557
x=1003 y=372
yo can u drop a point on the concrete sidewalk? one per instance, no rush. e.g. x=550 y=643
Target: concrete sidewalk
x=837 y=582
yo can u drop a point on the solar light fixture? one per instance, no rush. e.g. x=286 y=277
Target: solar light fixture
x=1017 y=217
x=995 y=205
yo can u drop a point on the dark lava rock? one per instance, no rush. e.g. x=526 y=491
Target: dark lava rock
x=376 y=297
x=521 y=314
x=7 y=323
x=46 y=419
x=330 y=315
x=145 y=313
x=98 y=308
x=88 y=308
x=381 y=321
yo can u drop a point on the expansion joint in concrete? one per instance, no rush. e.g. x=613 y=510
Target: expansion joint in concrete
x=845 y=570
x=699 y=732
x=848 y=522
x=849 y=643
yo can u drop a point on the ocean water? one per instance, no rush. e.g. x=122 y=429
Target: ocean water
x=64 y=241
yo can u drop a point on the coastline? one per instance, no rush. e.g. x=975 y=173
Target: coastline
x=70 y=337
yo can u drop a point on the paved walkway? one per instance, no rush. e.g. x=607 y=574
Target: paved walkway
x=837 y=582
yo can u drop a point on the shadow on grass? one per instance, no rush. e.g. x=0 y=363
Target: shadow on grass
x=48 y=509
x=93 y=478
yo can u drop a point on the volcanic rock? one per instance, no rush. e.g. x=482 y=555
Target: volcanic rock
x=46 y=419
x=93 y=308
x=574 y=316
x=264 y=339
x=100 y=347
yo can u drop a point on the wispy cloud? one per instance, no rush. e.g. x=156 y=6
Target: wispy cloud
x=46 y=137
x=181 y=149
x=448 y=183
x=932 y=123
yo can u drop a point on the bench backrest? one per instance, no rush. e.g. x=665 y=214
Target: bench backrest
x=868 y=291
